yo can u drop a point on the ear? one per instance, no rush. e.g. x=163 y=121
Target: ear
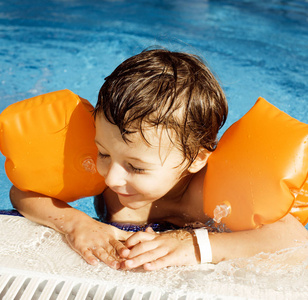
x=200 y=161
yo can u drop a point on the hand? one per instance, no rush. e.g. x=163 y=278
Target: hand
x=93 y=240
x=154 y=251
x=96 y=241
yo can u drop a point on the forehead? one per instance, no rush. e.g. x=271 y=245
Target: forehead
x=152 y=140
x=151 y=136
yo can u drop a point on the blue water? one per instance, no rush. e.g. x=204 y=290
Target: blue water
x=256 y=48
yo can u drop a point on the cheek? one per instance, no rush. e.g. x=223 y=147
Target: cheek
x=145 y=185
x=101 y=167
x=155 y=185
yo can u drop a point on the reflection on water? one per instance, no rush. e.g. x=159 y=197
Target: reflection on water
x=257 y=48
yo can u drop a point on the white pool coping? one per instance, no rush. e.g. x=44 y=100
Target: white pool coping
x=34 y=256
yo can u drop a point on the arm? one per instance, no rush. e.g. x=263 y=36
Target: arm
x=285 y=233
x=155 y=251
x=91 y=239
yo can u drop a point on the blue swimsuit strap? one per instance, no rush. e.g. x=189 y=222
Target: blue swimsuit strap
x=10 y=212
x=160 y=227
x=163 y=226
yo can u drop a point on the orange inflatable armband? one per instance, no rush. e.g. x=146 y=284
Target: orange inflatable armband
x=258 y=173
x=49 y=146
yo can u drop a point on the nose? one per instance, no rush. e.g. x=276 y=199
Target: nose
x=115 y=175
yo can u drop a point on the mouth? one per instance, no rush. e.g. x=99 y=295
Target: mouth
x=124 y=195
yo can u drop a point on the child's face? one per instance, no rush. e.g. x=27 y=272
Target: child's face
x=139 y=173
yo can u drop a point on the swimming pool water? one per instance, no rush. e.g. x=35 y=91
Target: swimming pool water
x=256 y=48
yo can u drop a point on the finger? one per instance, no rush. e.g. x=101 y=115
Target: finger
x=158 y=264
x=121 y=235
x=149 y=230
x=144 y=258
x=85 y=253
x=107 y=255
x=171 y=259
x=142 y=248
x=89 y=257
x=120 y=248
x=138 y=238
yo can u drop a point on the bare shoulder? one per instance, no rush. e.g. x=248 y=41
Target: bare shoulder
x=194 y=195
x=195 y=188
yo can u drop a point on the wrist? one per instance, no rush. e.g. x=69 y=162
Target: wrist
x=70 y=220
x=204 y=245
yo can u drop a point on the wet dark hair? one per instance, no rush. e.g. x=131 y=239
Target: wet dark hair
x=170 y=89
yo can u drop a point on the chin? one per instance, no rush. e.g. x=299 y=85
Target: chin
x=133 y=204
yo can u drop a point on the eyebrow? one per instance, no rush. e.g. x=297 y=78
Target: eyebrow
x=140 y=160
x=97 y=142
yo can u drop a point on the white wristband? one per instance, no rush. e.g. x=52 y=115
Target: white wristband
x=204 y=244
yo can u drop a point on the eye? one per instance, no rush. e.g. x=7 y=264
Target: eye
x=136 y=170
x=102 y=156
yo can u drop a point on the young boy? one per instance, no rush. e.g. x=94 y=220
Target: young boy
x=157 y=119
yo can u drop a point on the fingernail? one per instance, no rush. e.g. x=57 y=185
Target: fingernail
x=115 y=265
x=125 y=253
x=147 y=266
x=129 y=263
x=94 y=262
